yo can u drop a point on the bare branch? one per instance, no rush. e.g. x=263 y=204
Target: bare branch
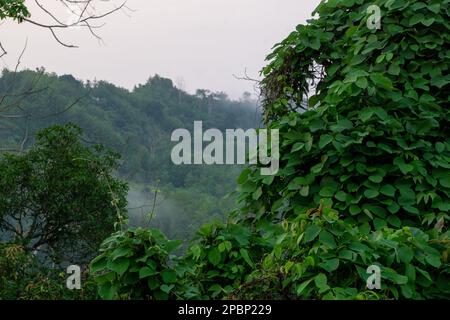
x=3 y=53
x=25 y=138
x=84 y=19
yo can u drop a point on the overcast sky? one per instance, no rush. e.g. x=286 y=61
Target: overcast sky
x=202 y=42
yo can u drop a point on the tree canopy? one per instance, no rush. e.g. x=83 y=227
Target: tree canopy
x=59 y=199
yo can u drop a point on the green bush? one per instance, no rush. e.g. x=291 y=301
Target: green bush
x=219 y=260
x=14 y=9
x=364 y=173
x=23 y=277
x=135 y=264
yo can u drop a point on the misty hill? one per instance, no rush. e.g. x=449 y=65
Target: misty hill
x=138 y=125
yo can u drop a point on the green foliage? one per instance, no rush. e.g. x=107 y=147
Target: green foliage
x=22 y=277
x=327 y=259
x=53 y=196
x=135 y=264
x=14 y=9
x=138 y=264
x=404 y=63
x=219 y=259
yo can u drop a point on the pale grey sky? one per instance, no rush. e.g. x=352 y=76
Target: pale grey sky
x=203 y=42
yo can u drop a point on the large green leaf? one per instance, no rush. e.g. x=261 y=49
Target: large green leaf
x=311 y=232
x=214 y=256
x=119 y=265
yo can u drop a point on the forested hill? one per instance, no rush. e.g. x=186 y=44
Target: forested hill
x=137 y=124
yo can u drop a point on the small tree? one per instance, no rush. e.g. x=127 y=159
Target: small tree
x=60 y=198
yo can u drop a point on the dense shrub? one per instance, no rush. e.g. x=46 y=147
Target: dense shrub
x=364 y=175
x=22 y=277
x=135 y=264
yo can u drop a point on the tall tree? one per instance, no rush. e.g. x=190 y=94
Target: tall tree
x=60 y=198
